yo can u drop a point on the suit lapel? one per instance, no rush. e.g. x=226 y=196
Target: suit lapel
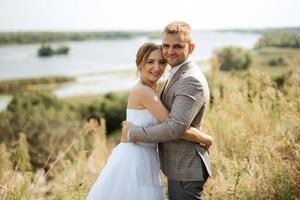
x=178 y=74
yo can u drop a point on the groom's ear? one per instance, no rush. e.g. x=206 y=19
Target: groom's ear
x=191 y=47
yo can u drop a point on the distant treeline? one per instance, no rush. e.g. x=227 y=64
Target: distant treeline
x=44 y=37
x=261 y=31
x=274 y=37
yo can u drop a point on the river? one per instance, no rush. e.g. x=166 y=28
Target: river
x=89 y=61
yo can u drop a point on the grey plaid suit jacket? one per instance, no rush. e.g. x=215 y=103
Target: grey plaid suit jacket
x=186 y=97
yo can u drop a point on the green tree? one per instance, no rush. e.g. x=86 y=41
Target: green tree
x=45 y=50
x=233 y=58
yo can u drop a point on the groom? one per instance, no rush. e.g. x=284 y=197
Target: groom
x=186 y=164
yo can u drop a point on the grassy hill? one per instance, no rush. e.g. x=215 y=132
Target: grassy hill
x=255 y=155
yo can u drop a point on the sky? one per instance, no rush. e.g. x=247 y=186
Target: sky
x=137 y=15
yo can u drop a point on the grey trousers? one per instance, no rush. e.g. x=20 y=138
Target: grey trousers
x=185 y=190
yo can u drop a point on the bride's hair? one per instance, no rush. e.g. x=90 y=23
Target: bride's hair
x=144 y=52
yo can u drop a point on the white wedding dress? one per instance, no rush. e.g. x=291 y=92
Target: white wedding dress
x=132 y=170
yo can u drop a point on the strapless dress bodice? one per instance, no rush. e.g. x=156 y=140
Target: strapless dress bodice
x=142 y=118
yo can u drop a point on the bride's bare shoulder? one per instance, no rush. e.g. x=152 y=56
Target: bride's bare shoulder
x=141 y=93
x=138 y=95
x=141 y=90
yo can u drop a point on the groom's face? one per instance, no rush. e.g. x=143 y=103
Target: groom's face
x=176 y=48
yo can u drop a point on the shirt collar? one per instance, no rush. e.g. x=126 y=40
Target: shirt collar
x=173 y=70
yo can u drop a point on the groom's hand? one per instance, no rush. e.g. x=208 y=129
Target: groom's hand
x=125 y=130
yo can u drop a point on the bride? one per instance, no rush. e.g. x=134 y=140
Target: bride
x=132 y=170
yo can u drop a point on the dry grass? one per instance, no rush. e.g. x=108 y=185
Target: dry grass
x=256 y=127
x=69 y=176
x=256 y=154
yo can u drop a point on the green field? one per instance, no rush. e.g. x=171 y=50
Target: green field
x=262 y=57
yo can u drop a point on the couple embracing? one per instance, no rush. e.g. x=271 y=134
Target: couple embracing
x=161 y=132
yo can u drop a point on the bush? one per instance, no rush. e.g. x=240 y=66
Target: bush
x=50 y=124
x=112 y=107
x=233 y=58
x=46 y=121
x=277 y=61
x=114 y=110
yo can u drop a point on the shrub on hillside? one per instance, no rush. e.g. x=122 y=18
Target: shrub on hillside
x=114 y=110
x=47 y=122
x=51 y=124
x=233 y=58
x=112 y=107
x=277 y=61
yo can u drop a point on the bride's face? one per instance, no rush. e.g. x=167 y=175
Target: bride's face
x=154 y=67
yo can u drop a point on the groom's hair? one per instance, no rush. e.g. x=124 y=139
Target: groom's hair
x=179 y=27
x=144 y=51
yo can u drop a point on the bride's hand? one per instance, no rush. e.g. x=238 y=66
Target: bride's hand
x=125 y=129
x=208 y=143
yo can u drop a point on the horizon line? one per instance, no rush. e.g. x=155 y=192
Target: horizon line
x=149 y=30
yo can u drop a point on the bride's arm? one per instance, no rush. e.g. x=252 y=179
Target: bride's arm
x=148 y=99
x=195 y=135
